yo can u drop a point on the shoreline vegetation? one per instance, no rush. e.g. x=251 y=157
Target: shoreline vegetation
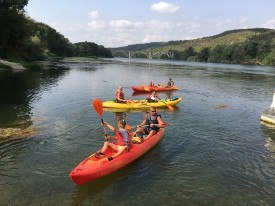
x=4 y=64
x=11 y=65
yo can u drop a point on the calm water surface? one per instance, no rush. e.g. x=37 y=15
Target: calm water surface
x=215 y=150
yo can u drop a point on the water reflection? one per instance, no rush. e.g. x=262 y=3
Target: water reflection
x=166 y=94
x=18 y=92
x=269 y=135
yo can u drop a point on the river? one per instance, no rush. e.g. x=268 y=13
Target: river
x=215 y=150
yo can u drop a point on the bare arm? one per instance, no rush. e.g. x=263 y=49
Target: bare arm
x=142 y=123
x=160 y=123
x=111 y=127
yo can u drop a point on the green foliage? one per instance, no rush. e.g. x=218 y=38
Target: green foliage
x=52 y=41
x=243 y=46
x=203 y=55
x=21 y=38
x=86 y=49
x=14 y=27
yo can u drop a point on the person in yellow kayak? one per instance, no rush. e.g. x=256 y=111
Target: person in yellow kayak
x=120 y=96
x=150 y=125
x=122 y=137
x=153 y=97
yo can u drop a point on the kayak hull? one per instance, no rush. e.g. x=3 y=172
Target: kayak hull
x=138 y=104
x=93 y=168
x=155 y=88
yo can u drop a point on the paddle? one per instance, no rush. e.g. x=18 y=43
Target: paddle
x=128 y=127
x=169 y=106
x=98 y=106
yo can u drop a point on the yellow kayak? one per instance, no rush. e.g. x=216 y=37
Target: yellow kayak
x=135 y=104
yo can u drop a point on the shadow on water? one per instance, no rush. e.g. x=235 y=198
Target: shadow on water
x=90 y=191
x=83 y=192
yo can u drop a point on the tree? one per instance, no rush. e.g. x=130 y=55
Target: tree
x=189 y=52
x=14 y=26
x=203 y=55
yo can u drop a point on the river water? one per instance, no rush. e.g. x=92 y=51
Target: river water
x=215 y=150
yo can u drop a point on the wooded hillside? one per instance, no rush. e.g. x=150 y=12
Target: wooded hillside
x=245 y=46
x=22 y=38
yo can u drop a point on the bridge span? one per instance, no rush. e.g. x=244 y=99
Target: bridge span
x=148 y=54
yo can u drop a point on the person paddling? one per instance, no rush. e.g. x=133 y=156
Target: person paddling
x=152 y=122
x=122 y=137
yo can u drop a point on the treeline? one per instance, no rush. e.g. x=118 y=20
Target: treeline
x=21 y=38
x=258 y=49
x=242 y=46
x=139 y=47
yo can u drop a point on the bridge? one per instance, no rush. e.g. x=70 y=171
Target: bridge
x=148 y=54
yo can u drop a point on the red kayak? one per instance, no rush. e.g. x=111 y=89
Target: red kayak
x=93 y=168
x=143 y=88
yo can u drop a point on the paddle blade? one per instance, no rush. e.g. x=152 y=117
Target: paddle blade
x=128 y=127
x=170 y=107
x=98 y=106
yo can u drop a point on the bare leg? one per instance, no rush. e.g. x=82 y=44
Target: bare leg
x=139 y=129
x=151 y=133
x=121 y=149
x=105 y=146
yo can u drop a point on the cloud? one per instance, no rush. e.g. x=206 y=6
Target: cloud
x=93 y=14
x=152 y=38
x=164 y=8
x=96 y=24
x=270 y=24
x=124 y=24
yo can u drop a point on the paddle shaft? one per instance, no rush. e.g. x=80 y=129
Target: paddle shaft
x=98 y=106
x=169 y=106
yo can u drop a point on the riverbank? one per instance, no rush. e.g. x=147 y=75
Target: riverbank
x=11 y=65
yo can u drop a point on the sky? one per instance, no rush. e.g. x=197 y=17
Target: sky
x=116 y=23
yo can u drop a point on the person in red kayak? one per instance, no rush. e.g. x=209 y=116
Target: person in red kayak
x=122 y=137
x=151 y=84
x=170 y=83
x=152 y=122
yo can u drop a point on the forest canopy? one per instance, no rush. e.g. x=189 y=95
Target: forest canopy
x=22 y=38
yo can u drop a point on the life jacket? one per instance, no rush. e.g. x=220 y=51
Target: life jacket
x=152 y=120
x=120 y=94
x=123 y=137
x=151 y=97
